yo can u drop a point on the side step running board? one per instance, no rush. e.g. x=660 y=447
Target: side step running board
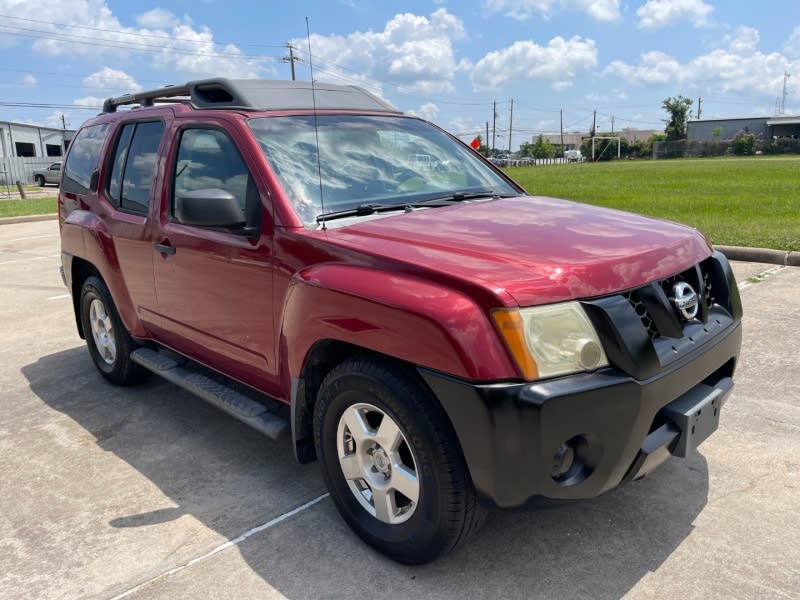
x=238 y=405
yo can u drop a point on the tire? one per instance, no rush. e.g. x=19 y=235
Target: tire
x=407 y=492
x=39 y=180
x=109 y=343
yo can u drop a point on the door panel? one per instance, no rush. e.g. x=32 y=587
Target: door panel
x=215 y=288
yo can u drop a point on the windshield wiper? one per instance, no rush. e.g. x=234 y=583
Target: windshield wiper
x=444 y=199
x=362 y=210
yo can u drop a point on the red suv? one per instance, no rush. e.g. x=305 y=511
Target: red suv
x=439 y=339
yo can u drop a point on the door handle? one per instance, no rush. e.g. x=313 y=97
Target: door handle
x=165 y=248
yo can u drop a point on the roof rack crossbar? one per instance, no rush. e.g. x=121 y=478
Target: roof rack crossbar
x=146 y=98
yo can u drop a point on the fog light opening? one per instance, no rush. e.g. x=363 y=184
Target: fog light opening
x=571 y=464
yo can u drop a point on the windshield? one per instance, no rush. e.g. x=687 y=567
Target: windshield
x=368 y=160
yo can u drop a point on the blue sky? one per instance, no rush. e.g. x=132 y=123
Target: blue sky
x=444 y=60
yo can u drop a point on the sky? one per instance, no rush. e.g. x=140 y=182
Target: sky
x=541 y=63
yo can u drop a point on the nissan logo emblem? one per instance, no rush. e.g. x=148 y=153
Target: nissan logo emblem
x=684 y=299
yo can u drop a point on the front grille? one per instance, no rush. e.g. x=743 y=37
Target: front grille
x=642 y=332
x=641 y=310
x=654 y=309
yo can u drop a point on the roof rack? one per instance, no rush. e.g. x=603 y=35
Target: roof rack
x=256 y=95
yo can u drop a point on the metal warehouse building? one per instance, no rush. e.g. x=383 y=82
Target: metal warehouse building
x=25 y=148
x=22 y=140
x=765 y=128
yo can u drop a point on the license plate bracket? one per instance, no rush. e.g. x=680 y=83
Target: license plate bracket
x=696 y=414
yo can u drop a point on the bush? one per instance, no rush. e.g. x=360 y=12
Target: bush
x=744 y=145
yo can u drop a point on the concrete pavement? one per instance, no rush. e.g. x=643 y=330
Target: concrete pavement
x=147 y=492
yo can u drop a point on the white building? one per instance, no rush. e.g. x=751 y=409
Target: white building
x=22 y=140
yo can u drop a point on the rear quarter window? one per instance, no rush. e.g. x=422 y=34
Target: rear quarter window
x=83 y=158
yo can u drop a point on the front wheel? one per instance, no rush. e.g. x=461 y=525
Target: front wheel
x=392 y=463
x=109 y=343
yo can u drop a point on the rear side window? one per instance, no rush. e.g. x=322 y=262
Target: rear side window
x=134 y=165
x=83 y=158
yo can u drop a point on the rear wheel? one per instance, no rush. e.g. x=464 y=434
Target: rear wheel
x=40 y=180
x=109 y=343
x=392 y=462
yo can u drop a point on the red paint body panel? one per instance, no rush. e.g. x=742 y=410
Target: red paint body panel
x=419 y=321
x=538 y=250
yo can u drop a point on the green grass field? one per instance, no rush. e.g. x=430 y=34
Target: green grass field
x=737 y=201
x=29 y=206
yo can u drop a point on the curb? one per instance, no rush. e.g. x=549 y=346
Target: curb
x=789 y=258
x=27 y=219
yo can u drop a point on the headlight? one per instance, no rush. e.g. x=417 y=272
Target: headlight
x=552 y=340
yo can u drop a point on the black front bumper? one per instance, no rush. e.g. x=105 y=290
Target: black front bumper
x=616 y=427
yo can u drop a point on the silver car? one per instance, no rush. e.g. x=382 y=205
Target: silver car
x=51 y=174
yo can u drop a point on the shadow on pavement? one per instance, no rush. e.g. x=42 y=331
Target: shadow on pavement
x=232 y=479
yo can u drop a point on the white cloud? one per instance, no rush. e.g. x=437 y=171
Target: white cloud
x=112 y=80
x=744 y=40
x=158 y=18
x=559 y=63
x=792 y=45
x=428 y=111
x=413 y=52
x=89 y=26
x=600 y=10
x=740 y=67
x=656 y=14
x=89 y=101
x=29 y=81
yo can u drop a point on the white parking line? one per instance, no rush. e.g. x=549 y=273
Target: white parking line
x=30 y=237
x=59 y=297
x=759 y=277
x=225 y=546
x=11 y=262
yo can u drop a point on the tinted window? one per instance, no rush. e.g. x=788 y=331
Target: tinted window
x=208 y=159
x=134 y=165
x=82 y=159
x=118 y=165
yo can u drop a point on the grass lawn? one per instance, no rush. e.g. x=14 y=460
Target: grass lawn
x=736 y=201
x=29 y=206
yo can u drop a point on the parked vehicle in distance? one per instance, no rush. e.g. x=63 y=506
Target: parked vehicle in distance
x=51 y=174
x=439 y=339
x=573 y=156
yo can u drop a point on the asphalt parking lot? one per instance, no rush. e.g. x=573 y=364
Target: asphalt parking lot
x=148 y=492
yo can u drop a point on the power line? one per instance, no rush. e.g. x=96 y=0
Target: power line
x=136 y=33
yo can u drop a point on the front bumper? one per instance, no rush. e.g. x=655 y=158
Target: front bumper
x=516 y=437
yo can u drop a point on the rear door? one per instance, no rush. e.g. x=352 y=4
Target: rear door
x=215 y=286
x=128 y=185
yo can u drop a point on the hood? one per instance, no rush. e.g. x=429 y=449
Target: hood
x=537 y=250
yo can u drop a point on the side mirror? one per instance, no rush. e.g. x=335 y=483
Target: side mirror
x=209 y=208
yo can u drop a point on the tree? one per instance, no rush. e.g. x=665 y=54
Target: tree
x=542 y=148
x=678 y=109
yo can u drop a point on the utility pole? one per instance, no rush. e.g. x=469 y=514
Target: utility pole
x=562 y=133
x=487 y=138
x=63 y=122
x=291 y=59
x=699 y=107
x=612 y=124
x=510 y=123
x=494 y=122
